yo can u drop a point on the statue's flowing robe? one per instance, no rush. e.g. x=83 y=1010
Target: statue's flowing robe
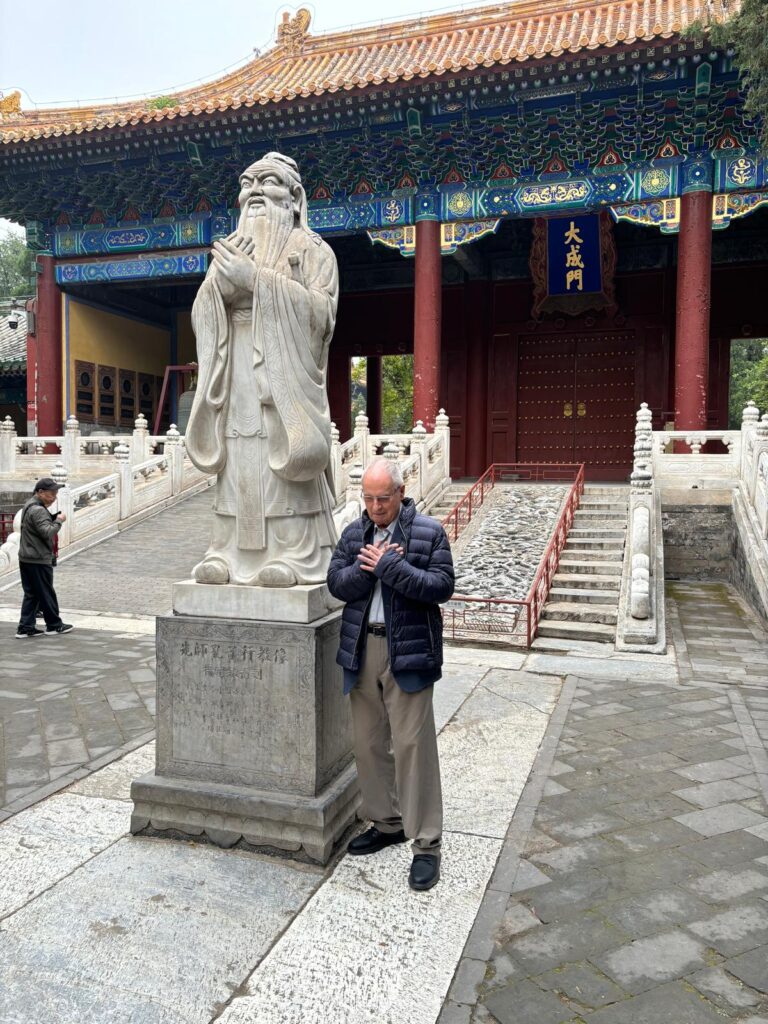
x=260 y=418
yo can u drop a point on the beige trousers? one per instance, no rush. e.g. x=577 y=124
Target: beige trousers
x=396 y=753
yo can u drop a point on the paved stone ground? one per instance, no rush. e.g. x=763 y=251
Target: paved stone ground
x=633 y=885
x=132 y=572
x=67 y=704
x=71 y=703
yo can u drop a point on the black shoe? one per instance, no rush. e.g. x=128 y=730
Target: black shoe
x=62 y=627
x=425 y=871
x=373 y=840
x=24 y=634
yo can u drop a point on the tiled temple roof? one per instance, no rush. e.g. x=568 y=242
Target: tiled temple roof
x=301 y=65
x=13 y=346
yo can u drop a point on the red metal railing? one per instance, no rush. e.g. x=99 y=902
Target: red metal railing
x=504 y=472
x=6 y=525
x=510 y=619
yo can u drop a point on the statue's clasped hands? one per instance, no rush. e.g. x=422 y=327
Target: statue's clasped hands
x=236 y=269
x=370 y=556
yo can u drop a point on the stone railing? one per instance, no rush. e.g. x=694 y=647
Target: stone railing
x=671 y=470
x=128 y=492
x=680 y=468
x=80 y=454
x=641 y=600
x=424 y=460
x=129 y=481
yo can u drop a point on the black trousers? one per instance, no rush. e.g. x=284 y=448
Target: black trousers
x=37 y=581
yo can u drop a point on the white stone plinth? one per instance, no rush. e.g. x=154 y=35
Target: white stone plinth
x=302 y=604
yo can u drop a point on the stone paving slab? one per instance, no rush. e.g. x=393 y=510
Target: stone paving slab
x=648 y=836
x=67 y=702
x=181 y=927
x=146 y=560
x=102 y=893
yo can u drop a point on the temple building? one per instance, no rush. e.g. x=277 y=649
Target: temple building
x=559 y=208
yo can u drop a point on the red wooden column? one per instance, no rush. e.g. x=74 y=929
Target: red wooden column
x=50 y=388
x=427 y=322
x=694 y=273
x=338 y=390
x=373 y=393
x=476 y=300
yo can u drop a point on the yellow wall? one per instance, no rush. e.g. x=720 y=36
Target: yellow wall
x=113 y=340
x=187 y=349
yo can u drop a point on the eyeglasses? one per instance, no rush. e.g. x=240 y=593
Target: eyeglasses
x=381 y=499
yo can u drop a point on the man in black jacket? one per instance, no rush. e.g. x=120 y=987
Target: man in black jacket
x=393 y=567
x=38 y=530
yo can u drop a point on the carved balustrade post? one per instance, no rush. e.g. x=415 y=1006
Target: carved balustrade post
x=70 y=445
x=65 y=504
x=363 y=434
x=443 y=429
x=7 y=446
x=174 y=449
x=419 y=447
x=336 y=464
x=641 y=513
x=125 y=473
x=140 y=440
x=750 y=419
x=355 y=484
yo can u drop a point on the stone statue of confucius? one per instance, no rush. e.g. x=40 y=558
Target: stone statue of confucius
x=263 y=319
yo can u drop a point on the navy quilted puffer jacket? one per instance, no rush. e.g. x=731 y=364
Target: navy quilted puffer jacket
x=412 y=586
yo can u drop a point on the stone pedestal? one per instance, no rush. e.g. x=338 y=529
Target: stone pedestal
x=253 y=733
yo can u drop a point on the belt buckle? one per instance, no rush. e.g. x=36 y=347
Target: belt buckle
x=377 y=630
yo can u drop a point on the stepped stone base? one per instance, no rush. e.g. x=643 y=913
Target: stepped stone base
x=228 y=814
x=253 y=735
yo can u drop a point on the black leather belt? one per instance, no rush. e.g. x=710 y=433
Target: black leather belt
x=378 y=630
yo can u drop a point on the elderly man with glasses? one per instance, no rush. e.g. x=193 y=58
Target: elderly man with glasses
x=393 y=567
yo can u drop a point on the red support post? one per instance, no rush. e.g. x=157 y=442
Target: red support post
x=694 y=273
x=427 y=323
x=50 y=387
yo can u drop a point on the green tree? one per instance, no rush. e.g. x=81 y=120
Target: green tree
x=746 y=354
x=747 y=32
x=14 y=265
x=756 y=383
x=358 y=387
x=397 y=394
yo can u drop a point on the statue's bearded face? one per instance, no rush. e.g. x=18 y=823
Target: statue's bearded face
x=260 y=186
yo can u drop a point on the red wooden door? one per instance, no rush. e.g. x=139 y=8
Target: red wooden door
x=604 y=394
x=545 y=398
x=575 y=401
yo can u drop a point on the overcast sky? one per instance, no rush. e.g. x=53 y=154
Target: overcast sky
x=67 y=53
x=63 y=53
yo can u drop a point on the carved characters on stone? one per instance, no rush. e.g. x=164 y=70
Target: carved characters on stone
x=263 y=319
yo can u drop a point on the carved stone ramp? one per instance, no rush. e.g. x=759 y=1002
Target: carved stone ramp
x=583 y=602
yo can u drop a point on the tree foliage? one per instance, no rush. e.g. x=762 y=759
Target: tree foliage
x=14 y=266
x=397 y=394
x=747 y=32
x=749 y=378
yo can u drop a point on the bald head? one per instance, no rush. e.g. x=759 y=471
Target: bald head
x=383 y=490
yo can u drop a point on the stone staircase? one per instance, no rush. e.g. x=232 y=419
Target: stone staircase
x=452 y=494
x=584 y=600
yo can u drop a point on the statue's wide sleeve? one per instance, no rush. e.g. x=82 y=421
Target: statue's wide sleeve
x=293 y=329
x=205 y=430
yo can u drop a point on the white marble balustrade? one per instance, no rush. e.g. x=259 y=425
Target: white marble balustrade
x=132 y=483
x=424 y=459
